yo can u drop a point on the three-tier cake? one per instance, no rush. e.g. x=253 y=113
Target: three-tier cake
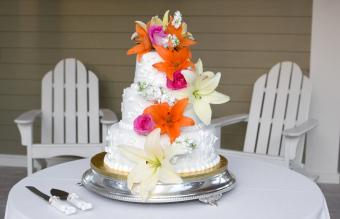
x=166 y=111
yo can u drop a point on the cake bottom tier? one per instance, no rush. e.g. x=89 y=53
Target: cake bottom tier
x=200 y=144
x=207 y=186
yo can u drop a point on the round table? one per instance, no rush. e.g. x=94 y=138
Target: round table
x=263 y=191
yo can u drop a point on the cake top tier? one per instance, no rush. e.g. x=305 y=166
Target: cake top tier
x=164 y=64
x=145 y=72
x=169 y=37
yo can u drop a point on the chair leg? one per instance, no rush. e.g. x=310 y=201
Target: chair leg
x=42 y=163
x=29 y=165
x=29 y=160
x=300 y=169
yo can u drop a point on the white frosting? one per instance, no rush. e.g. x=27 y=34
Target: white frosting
x=146 y=72
x=201 y=157
x=133 y=105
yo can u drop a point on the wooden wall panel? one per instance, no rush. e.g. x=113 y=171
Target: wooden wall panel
x=212 y=58
x=133 y=7
x=112 y=24
x=241 y=39
x=207 y=41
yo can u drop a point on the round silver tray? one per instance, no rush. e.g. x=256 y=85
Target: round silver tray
x=207 y=186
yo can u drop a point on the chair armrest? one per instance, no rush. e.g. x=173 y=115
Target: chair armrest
x=229 y=120
x=107 y=116
x=301 y=129
x=27 y=117
x=25 y=125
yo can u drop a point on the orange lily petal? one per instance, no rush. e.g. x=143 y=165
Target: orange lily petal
x=164 y=128
x=158 y=111
x=186 y=121
x=174 y=132
x=185 y=65
x=170 y=119
x=165 y=67
x=173 y=60
x=172 y=30
x=183 y=39
x=141 y=31
x=162 y=66
x=164 y=53
x=187 y=42
x=136 y=49
x=178 y=109
x=144 y=43
x=182 y=55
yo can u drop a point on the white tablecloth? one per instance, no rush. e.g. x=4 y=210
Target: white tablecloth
x=262 y=191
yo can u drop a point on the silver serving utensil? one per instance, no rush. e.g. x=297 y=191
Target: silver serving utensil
x=71 y=198
x=54 y=201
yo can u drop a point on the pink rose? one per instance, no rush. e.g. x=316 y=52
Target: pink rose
x=143 y=124
x=157 y=35
x=179 y=81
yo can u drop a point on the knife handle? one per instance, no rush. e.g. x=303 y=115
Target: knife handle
x=74 y=199
x=62 y=206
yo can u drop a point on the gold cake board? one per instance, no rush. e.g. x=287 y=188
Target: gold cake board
x=98 y=165
x=206 y=186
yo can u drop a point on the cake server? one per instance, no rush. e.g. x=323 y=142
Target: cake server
x=54 y=201
x=71 y=198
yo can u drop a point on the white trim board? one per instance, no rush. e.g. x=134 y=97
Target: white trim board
x=12 y=160
x=324 y=177
x=322 y=152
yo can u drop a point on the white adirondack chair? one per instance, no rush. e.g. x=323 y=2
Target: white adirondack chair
x=278 y=118
x=70 y=115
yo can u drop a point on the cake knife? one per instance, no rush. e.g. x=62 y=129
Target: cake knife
x=71 y=198
x=54 y=201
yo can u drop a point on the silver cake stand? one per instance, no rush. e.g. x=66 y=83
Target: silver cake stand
x=206 y=186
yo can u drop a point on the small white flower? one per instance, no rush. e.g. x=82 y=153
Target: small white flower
x=152 y=164
x=177 y=21
x=155 y=93
x=152 y=93
x=186 y=143
x=174 y=41
x=141 y=86
x=164 y=42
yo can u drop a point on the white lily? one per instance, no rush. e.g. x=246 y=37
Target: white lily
x=201 y=91
x=152 y=164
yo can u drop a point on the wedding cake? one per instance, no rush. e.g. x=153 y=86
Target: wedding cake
x=165 y=130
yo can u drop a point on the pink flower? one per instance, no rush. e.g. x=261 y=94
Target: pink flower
x=179 y=81
x=157 y=35
x=143 y=124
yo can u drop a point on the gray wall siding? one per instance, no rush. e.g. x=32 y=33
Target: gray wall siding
x=240 y=38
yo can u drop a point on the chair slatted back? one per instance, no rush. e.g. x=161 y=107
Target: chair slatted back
x=70 y=105
x=280 y=100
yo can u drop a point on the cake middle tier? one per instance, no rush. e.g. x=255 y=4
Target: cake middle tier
x=134 y=103
x=198 y=141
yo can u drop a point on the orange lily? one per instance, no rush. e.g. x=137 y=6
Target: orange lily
x=183 y=39
x=143 y=43
x=173 y=60
x=170 y=119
